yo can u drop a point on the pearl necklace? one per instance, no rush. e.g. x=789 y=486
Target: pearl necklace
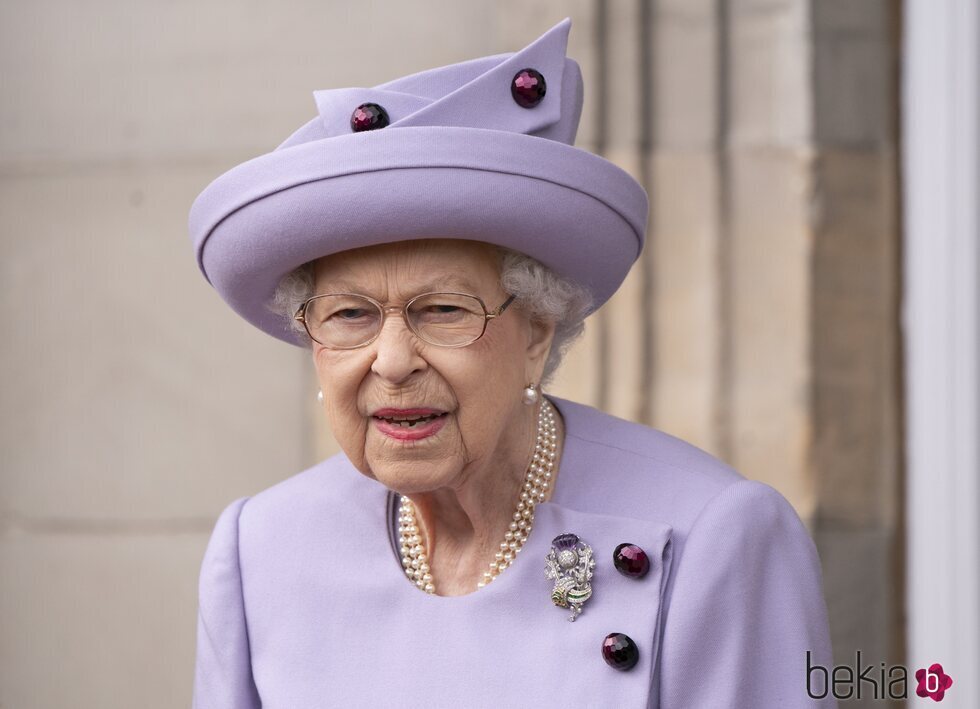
x=536 y=482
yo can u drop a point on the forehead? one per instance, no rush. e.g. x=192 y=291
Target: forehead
x=408 y=267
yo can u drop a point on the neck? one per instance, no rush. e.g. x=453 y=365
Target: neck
x=462 y=527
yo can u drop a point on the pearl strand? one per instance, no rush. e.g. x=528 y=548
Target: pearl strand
x=538 y=479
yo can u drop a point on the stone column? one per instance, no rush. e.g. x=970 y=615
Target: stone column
x=855 y=458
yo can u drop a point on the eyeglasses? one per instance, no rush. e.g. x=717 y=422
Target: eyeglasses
x=346 y=321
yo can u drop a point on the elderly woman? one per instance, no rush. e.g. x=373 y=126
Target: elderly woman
x=437 y=242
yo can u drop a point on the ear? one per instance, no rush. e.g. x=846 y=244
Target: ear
x=540 y=336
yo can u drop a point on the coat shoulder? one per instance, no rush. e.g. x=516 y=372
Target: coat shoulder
x=623 y=467
x=302 y=498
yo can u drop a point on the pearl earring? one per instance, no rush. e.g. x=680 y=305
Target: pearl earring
x=319 y=396
x=530 y=394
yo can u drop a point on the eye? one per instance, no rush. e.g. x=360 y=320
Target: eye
x=347 y=313
x=440 y=313
x=443 y=308
x=350 y=314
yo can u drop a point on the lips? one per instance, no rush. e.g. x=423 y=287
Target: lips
x=409 y=424
x=407 y=418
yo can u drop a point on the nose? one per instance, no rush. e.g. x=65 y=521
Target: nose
x=396 y=351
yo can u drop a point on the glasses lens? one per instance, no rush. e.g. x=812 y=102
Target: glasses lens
x=342 y=320
x=447 y=318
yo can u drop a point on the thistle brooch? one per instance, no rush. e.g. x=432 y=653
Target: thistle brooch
x=570 y=564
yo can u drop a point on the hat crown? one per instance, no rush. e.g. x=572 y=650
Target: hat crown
x=470 y=94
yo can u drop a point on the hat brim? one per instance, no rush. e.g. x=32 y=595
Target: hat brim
x=577 y=213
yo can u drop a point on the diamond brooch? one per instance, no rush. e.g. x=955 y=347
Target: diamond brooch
x=569 y=563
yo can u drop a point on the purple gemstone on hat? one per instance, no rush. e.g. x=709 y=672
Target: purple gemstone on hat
x=564 y=541
x=619 y=651
x=368 y=116
x=631 y=560
x=528 y=87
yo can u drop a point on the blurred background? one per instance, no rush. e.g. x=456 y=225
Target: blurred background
x=806 y=307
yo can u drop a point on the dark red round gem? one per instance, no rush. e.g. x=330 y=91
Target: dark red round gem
x=631 y=560
x=528 y=87
x=368 y=116
x=620 y=652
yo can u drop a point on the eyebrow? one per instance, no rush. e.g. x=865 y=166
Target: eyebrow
x=449 y=283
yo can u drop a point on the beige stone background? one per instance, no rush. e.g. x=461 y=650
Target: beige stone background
x=761 y=324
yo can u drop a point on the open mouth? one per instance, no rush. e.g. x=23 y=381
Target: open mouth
x=410 y=421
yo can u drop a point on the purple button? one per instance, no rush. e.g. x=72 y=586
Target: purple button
x=620 y=652
x=368 y=116
x=631 y=561
x=528 y=87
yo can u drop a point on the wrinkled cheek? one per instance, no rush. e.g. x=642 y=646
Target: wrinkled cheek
x=348 y=428
x=357 y=446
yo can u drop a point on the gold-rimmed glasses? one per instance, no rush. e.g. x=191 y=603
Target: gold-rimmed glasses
x=346 y=321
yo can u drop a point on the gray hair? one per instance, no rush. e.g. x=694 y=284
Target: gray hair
x=543 y=294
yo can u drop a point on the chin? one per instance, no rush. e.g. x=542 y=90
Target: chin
x=408 y=477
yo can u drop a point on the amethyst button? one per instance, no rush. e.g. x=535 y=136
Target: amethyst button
x=631 y=560
x=620 y=652
x=528 y=87
x=368 y=116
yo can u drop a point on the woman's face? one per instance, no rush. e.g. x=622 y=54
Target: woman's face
x=476 y=390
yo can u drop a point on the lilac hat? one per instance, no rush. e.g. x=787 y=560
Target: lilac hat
x=478 y=150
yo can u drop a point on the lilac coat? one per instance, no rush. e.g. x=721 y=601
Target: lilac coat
x=303 y=601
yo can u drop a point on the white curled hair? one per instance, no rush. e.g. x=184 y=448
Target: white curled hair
x=543 y=294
